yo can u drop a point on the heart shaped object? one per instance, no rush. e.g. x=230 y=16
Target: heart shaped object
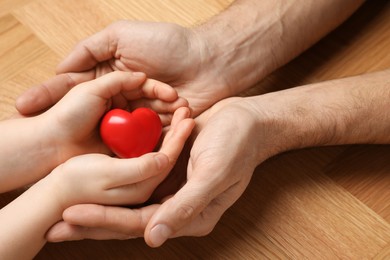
x=131 y=134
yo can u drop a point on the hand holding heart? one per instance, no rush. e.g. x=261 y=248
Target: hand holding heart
x=72 y=122
x=133 y=134
x=194 y=206
x=113 y=181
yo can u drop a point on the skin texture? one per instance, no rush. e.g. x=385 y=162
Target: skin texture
x=251 y=43
x=337 y=112
x=203 y=68
x=87 y=178
x=69 y=128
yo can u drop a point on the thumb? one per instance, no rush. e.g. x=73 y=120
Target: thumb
x=178 y=212
x=89 y=52
x=46 y=94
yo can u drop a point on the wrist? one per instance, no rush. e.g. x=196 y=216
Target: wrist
x=49 y=140
x=58 y=184
x=30 y=155
x=251 y=39
x=234 y=50
x=338 y=112
x=294 y=119
x=270 y=129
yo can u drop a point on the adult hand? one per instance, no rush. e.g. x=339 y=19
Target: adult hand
x=166 y=52
x=204 y=68
x=220 y=168
x=221 y=163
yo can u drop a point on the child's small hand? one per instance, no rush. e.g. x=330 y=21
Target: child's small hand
x=72 y=123
x=97 y=178
x=94 y=178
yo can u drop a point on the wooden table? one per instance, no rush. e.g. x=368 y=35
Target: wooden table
x=315 y=203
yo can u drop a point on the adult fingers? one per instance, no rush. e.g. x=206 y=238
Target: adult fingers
x=101 y=222
x=89 y=52
x=188 y=203
x=48 y=93
x=121 y=181
x=63 y=231
x=158 y=105
x=178 y=211
x=205 y=222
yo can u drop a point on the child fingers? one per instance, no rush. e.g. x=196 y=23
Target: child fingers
x=176 y=139
x=158 y=105
x=111 y=84
x=179 y=115
x=133 y=194
x=171 y=120
x=131 y=171
x=156 y=89
x=177 y=136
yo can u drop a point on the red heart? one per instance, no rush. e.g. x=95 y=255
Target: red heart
x=131 y=134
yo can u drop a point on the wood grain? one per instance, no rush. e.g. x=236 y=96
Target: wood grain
x=318 y=203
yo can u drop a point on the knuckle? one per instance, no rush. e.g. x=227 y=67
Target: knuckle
x=141 y=168
x=185 y=212
x=209 y=220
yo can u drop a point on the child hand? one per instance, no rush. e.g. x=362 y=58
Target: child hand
x=72 y=123
x=93 y=178
x=98 y=178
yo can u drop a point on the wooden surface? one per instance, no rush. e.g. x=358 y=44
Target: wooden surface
x=318 y=203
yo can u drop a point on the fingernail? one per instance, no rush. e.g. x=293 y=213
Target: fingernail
x=159 y=234
x=161 y=160
x=138 y=74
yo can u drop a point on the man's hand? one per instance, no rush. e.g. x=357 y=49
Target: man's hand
x=228 y=54
x=166 y=52
x=220 y=168
x=232 y=139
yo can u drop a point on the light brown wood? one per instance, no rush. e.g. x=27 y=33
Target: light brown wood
x=318 y=203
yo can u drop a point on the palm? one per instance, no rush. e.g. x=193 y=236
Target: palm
x=160 y=50
x=166 y=52
x=216 y=124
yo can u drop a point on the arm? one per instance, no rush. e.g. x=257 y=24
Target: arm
x=218 y=59
x=92 y=178
x=354 y=110
x=253 y=38
x=344 y=111
x=25 y=154
x=32 y=147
